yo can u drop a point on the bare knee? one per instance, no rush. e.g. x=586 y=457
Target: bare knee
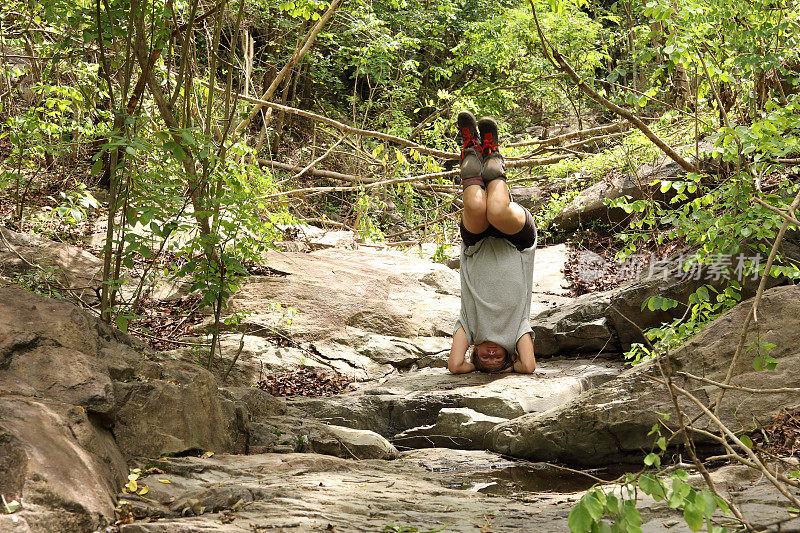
x=474 y=199
x=498 y=210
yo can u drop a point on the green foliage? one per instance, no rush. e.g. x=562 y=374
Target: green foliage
x=615 y=510
x=42 y=280
x=704 y=305
x=74 y=206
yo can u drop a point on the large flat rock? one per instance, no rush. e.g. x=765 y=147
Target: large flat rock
x=428 y=489
x=384 y=292
x=414 y=399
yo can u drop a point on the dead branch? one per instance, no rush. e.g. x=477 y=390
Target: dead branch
x=774 y=209
x=594 y=139
x=344 y=127
x=235 y=358
x=666 y=374
x=609 y=128
x=320 y=158
x=739 y=387
x=296 y=57
x=420 y=226
x=760 y=466
x=656 y=100
x=363 y=185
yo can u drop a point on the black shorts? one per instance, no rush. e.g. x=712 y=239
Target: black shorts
x=524 y=238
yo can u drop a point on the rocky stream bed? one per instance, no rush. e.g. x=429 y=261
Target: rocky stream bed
x=99 y=432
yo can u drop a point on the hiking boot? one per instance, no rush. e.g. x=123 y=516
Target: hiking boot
x=493 y=165
x=471 y=166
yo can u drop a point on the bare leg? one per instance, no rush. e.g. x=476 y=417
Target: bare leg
x=474 y=215
x=502 y=213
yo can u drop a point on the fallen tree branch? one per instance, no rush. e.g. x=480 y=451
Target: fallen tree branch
x=363 y=185
x=760 y=466
x=235 y=358
x=666 y=374
x=320 y=158
x=344 y=127
x=656 y=100
x=609 y=128
x=739 y=387
x=420 y=226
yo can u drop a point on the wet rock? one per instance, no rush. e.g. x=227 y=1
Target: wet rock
x=353 y=443
x=305 y=492
x=286 y=434
x=619 y=414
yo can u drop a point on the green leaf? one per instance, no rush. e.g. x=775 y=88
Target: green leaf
x=601 y=527
x=708 y=501
x=693 y=514
x=723 y=506
x=579 y=520
x=652 y=486
x=662 y=443
x=612 y=504
x=746 y=441
x=652 y=459
x=11 y=507
x=176 y=150
x=593 y=505
x=122 y=322
x=631 y=514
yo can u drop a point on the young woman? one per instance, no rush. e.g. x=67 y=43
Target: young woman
x=499 y=240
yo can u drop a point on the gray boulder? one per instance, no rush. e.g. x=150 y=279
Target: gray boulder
x=287 y=434
x=611 y=321
x=411 y=400
x=62 y=467
x=70 y=270
x=611 y=422
x=529 y=197
x=157 y=417
x=590 y=204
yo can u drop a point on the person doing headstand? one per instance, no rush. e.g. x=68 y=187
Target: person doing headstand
x=499 y=241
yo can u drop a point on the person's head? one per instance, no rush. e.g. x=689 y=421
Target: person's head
x=489 y=356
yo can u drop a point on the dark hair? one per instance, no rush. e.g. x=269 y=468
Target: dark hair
x=507 y=363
